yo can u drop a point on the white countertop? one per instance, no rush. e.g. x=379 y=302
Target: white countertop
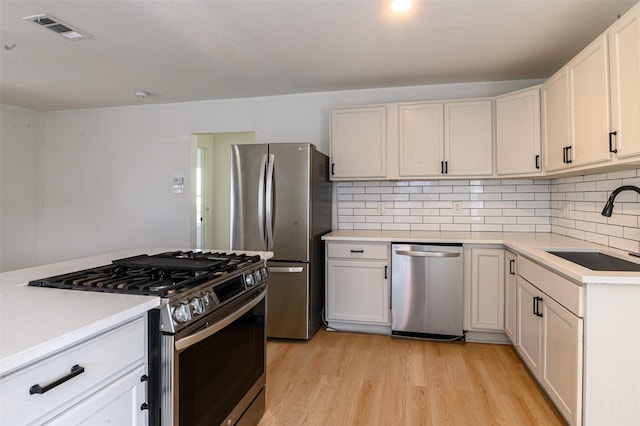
x=530 y=245
x=36 y=322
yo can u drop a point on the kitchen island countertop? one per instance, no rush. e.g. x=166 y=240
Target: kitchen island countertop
x=531 y=245
x=36 y=322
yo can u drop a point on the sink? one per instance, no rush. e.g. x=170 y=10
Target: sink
x=596 y=261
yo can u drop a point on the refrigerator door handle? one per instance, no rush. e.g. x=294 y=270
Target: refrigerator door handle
x=261 y=201
x=290 y=269
x=270 y=201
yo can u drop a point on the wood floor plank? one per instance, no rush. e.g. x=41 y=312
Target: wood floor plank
x=340 y=378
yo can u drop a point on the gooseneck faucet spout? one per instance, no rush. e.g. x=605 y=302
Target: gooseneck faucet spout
x=608 y=207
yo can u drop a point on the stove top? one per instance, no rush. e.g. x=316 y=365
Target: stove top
x=192 y=284
x=164 y=275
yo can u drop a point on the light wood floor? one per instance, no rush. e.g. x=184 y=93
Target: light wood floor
x=342 y=378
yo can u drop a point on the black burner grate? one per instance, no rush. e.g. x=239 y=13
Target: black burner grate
x=161 y=275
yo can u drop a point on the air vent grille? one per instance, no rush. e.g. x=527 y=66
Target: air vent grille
x=57 y=26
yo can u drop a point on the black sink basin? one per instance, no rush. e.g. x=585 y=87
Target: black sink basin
x=597 y=261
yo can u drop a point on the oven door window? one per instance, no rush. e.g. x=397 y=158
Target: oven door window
x=215 y=374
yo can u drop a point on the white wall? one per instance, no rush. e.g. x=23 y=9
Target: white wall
x=18 y=188
x=105 y=176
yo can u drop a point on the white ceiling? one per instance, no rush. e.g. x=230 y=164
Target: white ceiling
x=215 y=49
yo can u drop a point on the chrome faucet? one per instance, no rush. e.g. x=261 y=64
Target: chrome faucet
x=608 y=207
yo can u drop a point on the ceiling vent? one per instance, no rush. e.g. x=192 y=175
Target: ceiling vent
x=57 y=26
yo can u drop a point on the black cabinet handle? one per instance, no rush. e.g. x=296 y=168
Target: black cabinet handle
x=385 y=272
x=144 y=406
x=564 y=155
x=144 y=378
x=611 y=135
x=538 y=311
x=535 y=305
x=75 y=371
x=333 y=169
x=357 y=251
x=442 y=167
x=512 y=263
x=538 y=161
x=569 y=149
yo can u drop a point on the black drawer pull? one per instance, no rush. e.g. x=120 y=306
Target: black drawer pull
x=75 y=371
x=511 y=267
x=538 y=161
x=357 y=251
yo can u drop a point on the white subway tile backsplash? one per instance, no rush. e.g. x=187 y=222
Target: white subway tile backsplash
x=587 y=199
x=566 y=206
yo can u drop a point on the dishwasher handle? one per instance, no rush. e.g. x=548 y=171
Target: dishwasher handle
x=427 y=253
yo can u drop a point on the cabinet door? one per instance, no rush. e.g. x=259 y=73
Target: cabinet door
x=118 y=404
x=589 y=94
x=358 y=292
x=468 y=138
x=358 y=143
x=529 y=329
x=511 y=301
x=555 y=120
x=624 y=56
x=421 y=142
x=487 y=289
x=518 y=133
x=561 y=365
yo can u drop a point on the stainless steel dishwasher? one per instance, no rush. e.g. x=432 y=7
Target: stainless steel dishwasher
x=427 y=284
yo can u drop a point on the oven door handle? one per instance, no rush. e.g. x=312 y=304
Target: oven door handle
x=185 y=342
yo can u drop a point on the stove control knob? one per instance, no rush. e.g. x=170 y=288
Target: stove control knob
x=207 y=301
x=197 y=307
x=258 y=277
x=265 y=273
x=182 y=313
x=249 y=280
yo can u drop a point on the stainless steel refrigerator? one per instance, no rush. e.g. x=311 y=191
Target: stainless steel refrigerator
x=281 y=202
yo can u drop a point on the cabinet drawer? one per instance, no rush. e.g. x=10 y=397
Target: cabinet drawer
x=358 y=251
x=102 y=358
x=567 y=293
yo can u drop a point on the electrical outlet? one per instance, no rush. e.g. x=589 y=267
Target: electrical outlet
x=457 y=208
x=380 y=207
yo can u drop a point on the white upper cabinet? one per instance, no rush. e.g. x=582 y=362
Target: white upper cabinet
x=589 y=95
x=440 y=139
x=421 y=147
x=468 y=135
x=555 y=121
x=358 y=147
x=624 y=57
x=518 y=133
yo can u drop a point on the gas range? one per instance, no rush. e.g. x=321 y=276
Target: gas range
x=191 y=284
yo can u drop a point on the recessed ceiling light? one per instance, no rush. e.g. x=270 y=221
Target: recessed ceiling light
x=57 y=26
x=142 y=93
x=400 y=5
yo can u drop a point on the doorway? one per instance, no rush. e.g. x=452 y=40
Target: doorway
x=211 y=197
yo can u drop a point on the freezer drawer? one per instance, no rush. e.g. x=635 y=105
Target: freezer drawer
x=288 y=300
x=427 y=290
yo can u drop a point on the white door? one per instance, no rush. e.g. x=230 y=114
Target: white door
x=555 y=121
x=468 y=137
x=624 y=57
x=590 y=113
x=421 y=145
x=529 y=326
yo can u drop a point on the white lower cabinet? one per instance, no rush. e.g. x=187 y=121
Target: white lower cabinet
x=549 y=340
x=510 y=298
x=117 y=404
x=357 y=290
x=98 y=380
x=486 y=289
